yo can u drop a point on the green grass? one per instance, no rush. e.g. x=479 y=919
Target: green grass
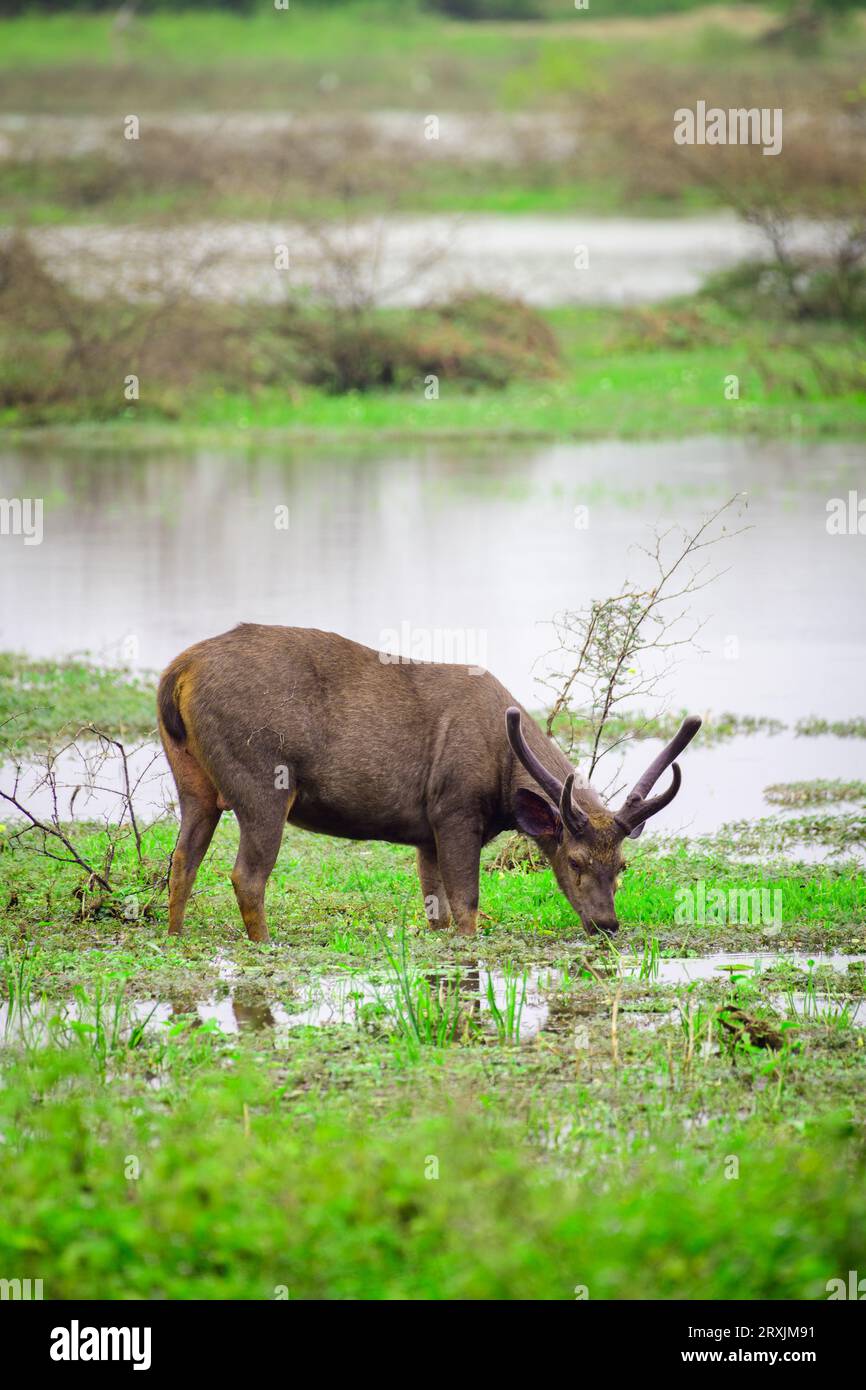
x=34 y=39
x=228 y=61
x=41 y=700
x=328 y=900
x=246 y=1189
x=357 y=1161
x=814 y=793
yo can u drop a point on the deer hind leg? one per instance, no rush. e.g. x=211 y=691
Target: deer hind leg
x=199 y=817
x=196 y=832
x=261 y=830
x=436 y=906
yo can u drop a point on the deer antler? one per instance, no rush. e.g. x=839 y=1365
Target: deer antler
x=636 y=809
x=576 y=820
x=545 y=779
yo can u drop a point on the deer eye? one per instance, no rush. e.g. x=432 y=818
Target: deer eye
x=576 y=865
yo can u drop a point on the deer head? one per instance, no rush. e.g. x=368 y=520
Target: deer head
x=580 y=836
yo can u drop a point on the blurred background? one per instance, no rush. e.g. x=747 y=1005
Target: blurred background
x=414 y=321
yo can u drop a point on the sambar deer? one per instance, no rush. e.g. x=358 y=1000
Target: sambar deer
x=291 y=724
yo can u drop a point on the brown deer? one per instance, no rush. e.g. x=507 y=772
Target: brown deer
x=291 y=724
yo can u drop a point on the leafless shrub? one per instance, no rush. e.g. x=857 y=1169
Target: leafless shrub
x=818 y=174
x=44 y=790
x=620 y=650
x=61 y=348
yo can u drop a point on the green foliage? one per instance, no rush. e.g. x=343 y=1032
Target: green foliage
x=607 y=378
x=236 y=1198
x=426 y=1150
x=18 y=7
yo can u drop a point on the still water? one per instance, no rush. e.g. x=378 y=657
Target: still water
x=413 y=260
x=468 y=552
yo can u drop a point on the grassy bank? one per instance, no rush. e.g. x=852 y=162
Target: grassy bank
x=664 y=372
x=328 y=898
x=94 y=191
x=604 y=91
x=41 y=700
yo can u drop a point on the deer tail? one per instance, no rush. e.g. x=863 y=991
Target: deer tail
x=169 y=713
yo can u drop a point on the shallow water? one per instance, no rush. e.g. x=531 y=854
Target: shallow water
x=447 y=551
x=344 y=998
x=546 y=261
x=327 y=1000
x=684 y=969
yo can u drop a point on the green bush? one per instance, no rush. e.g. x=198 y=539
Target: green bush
x=798 y=290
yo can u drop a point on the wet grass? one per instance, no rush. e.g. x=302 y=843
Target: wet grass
x=45 y=700
x=839 y=728
x=835 y=833
x=329 y=902
x=250 y=1176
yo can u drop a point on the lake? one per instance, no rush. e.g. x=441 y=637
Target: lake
x=464 y=551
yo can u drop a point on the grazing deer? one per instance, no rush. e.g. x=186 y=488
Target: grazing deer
x=291 y=724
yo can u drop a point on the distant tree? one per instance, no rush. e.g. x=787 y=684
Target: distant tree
x=807 y=20
x=13 y=7
x=490 y=9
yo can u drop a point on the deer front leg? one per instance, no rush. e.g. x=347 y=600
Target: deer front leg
x=458 y=849
x=436 y=906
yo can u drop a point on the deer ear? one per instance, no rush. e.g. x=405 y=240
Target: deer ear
x=535 y=816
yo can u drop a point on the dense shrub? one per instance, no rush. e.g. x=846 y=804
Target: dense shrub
x=478 y=340
x=63 y=354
